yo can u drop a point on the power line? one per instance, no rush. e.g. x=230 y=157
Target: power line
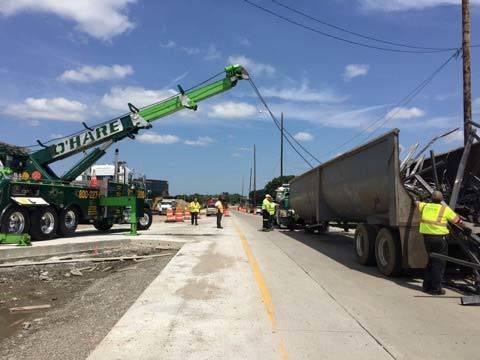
x=388 y=115
x=306 y=27
x=368 y=37
x=277 y=123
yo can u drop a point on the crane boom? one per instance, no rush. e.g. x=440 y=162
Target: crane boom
x=119 y=128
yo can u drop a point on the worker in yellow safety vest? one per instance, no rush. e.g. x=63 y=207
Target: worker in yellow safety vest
x=219 y=206
x=194 y=208
x=268 y=210
x=435 y=217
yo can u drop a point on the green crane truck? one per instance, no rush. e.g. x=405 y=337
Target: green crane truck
x=35 y=200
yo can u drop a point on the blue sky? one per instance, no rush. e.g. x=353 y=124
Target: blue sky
x=72 y=61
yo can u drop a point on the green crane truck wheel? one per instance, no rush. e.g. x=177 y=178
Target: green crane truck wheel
x=16 y=220
x=102 y=225
x=145 y=221
x=68 y=221
x=44 y=223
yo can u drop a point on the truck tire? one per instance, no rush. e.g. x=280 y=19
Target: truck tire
x=44 y=223
x=388 y=252
x=145 y=221
x=102 y=225
x=68 y=221
x=323 y=228
x=364 y=242
x=16 y=220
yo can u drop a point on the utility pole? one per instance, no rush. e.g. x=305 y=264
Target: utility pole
x=243 y=184
x=467 y=81
x=281 y=145
x=250 y=185
x=254 y=177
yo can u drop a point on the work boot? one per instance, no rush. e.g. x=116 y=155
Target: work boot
x=437 y=292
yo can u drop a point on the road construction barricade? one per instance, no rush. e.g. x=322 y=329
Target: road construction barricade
x=170 y=216
x=179 y=216
x=226 y=212
x=187 y=215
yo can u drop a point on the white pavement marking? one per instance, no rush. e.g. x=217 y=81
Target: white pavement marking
x=204 y=305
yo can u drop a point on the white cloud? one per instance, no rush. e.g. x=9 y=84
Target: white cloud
x=303 y=136
x=191 y=50
x=101 y=19
x=405 y=113
x=302 y=93
x=170 y=44
x=212 y=53
x=355 y=70
x=50 y=109
x=87 y=74
x=255 y=68
x=232 y=110
x=244 y=42
x=476 y=106
x=334 y=116
x=455 y=138
x=404 y=5
x=200 y=141
x=118 y=97
x=154 y=138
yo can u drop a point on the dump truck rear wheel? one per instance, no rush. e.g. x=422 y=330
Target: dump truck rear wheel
x=16 y=220
x=145 y=221
x=44 y=223
x=68 y=221
x=364 y=241
x=388 y=252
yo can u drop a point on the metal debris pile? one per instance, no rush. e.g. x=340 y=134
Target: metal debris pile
x=457 y=175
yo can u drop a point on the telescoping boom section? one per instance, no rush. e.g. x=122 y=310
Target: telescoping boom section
x=105 y=134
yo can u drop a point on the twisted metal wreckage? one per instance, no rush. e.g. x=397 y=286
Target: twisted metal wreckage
x=457 y=175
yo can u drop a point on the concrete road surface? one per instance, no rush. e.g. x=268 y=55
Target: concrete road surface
x=238 y=293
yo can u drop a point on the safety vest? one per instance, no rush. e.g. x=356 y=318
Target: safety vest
x=219 y=207
x=269 y=206
x=435 y=218
x=194 y=207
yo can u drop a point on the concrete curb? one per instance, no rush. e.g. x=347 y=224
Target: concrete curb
x=63 y=248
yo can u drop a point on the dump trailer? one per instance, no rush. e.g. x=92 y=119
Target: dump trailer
x=363 y=188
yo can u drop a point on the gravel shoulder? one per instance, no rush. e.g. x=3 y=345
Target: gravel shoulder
x=83 y=308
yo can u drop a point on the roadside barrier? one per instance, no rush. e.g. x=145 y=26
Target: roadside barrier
x=170 y=216
x=178 y=216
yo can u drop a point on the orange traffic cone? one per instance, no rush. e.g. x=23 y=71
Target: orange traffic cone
x=187 y=215
x=179 y=216
x=226 y=213
x=170 y=216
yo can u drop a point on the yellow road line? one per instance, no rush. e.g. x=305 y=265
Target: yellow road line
x=262 y=286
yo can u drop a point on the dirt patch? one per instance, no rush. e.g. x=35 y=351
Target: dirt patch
x=212 y=261
x=198 y=290
x=86 y=299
